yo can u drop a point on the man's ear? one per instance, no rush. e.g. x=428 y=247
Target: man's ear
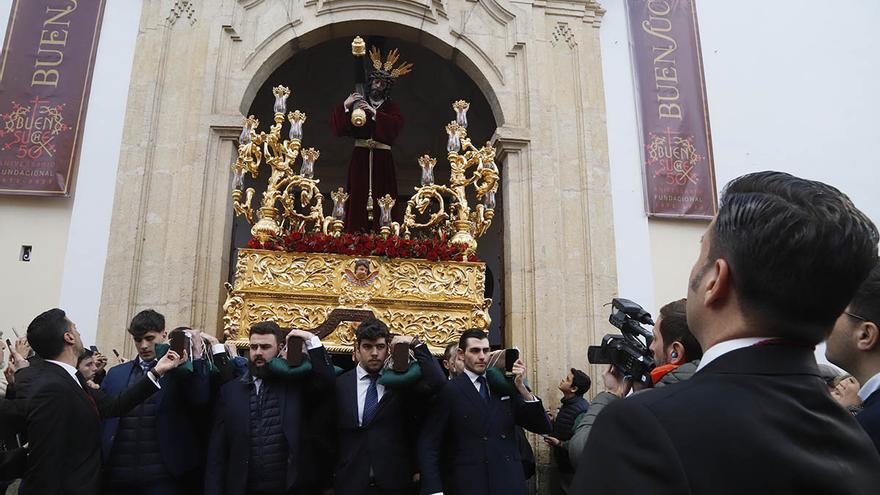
x=678 y=349
x=867 y=336
x=69 y=338
x=718 y=282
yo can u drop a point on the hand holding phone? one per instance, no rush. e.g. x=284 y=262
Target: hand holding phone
x=294 y=350
x=180 y=341
x=400 y=357
x=510 y=357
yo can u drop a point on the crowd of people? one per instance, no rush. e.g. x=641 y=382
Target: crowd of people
x=735 y=403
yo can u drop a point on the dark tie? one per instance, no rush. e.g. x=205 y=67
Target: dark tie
x=484 y=388
x=371 y=402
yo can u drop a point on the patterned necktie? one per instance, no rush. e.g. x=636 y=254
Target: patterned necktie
x=484 y=388
x=371 y=402
x=146 y=366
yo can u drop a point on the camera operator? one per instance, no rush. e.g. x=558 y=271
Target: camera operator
x=677 y=355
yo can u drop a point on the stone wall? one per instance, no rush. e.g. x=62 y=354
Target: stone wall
x=198 y=66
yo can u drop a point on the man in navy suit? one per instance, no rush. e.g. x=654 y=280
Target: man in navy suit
x=474 y=426
x=258 y=444
x=154 y=449
x=377 y=425
x=854 y=345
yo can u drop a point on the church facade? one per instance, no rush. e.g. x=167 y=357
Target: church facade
x=150 y=222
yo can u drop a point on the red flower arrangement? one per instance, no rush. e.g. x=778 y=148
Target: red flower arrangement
x=365 y=245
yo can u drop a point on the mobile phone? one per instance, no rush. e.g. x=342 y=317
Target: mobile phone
x=116 y=352
x=400 y=357
x=180 y=341
x=94 y=348
x=9 y=344
x=510 y=357
x=294 y=350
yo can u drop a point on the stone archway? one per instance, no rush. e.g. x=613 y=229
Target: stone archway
x=539 y=67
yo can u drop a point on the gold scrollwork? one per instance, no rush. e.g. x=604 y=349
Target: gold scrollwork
x=435 y=301
x=282 y=271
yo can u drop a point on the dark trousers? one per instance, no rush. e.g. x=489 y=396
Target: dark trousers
x=375 y=490
x=166 y=487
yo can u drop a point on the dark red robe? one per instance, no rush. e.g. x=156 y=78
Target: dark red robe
x=384 y=129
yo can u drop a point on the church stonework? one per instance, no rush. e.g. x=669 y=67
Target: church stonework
x=198 y=66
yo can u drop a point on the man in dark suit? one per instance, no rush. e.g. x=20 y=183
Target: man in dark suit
x=377 y=426
x=257 y=443
x=778 y=264
x=473 y=427
x=854 y=345
x=154 y=449
x=64 y=415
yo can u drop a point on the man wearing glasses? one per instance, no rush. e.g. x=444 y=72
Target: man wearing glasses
x=854 y=345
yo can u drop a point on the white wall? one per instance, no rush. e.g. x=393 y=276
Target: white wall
x=99 y=159
x=29 y=288
x=70 y=235
x=792 y=86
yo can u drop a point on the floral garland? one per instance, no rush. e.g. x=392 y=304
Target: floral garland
x=365 y=245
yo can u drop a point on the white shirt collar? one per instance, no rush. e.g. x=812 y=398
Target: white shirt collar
x=473 y=376
x=722 y=348
x=68 y=368
x=869 y=387
x=361 y=372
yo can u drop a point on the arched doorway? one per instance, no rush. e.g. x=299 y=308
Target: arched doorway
x=320 y=77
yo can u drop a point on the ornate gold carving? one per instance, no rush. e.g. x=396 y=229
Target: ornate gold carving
x=293 y=203
x=434 y=300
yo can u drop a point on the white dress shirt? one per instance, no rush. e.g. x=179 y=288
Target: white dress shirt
x=722 y=348
x=68 y=368
x=869 y=387
x=363 y=383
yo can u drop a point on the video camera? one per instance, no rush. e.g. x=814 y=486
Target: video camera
x=626 y=352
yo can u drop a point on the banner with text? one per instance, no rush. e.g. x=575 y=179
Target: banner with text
x=678 y=169
x=45 y=74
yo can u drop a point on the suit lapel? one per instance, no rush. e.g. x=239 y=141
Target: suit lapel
x=242 y=406
x=350 y=397
x=387 y=397
x=463 y=381
x=77 y=389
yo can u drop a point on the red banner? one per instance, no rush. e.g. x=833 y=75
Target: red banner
x=678 y=169
x=45 y=73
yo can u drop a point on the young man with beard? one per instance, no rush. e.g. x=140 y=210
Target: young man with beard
x=854 y=345
x=777 y=266
x=377 y=426
x=257 y=443
x=474 y=427
x=155 y=449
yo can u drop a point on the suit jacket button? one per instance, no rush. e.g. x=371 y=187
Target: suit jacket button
x=503 y=436
x=485 y=439
x=485 y=461
x=507 y=458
